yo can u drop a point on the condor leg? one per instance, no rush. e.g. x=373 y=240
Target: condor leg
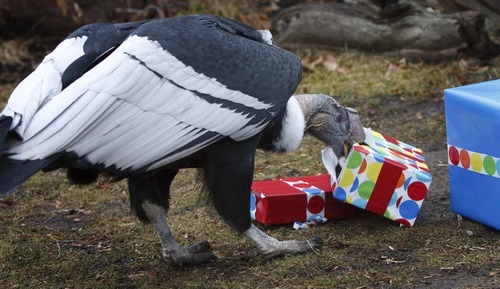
x=228 y=176
x=149 y=199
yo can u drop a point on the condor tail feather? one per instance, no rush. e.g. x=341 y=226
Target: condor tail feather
x=5 y=122
x=13 y=172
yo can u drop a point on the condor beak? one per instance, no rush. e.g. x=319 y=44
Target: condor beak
x=346 y=147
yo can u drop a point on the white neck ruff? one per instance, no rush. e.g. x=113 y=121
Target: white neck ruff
x=293 y=126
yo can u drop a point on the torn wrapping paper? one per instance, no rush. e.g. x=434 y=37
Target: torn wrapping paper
x=383 y=176
x=473 y=136
x=305 y=199
x=312 y=223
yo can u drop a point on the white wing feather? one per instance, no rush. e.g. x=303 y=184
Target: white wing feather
x=131 y=111
x=41 y=85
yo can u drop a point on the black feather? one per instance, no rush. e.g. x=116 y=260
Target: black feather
x=82 y=176
x=13 y=173
x=151 y=187
x=272 y=133
x=5 y=122
x=103 y=39
x=228 y=168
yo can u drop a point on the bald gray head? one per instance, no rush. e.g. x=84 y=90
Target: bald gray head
x=339 y=127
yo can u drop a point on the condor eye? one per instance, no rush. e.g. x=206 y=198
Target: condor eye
x=339 y=118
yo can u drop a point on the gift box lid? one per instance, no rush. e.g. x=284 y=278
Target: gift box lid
x=301 y=185
x=385 y=146
x=469 y=113
x=486 y=91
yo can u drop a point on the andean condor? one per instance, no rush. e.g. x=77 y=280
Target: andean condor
x=142 y=100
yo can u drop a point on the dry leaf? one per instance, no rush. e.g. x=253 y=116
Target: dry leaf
x=463 y=65
x=316 y=61
x=395 y=66
x=330 y=63
x=309 y=64
x=146 y=273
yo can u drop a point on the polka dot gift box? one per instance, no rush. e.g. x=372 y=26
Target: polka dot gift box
x=473 y=135
x=385 y=176
x=300 y=199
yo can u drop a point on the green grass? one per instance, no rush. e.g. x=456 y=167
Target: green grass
x=54 y=235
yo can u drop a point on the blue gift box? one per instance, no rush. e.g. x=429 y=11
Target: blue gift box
x=473 y=133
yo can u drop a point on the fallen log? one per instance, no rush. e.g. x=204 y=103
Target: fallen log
x=399 y=28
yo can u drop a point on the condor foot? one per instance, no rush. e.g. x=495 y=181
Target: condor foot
x=272 y=247
x=190 y=255
x=291 y=247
